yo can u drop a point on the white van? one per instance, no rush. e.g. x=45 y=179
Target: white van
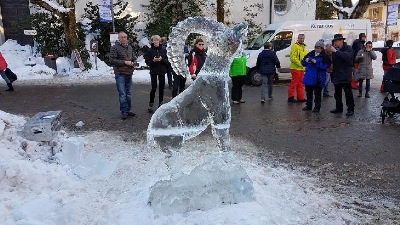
x=284 y=34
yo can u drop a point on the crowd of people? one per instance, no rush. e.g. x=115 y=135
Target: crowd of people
x=336 y=62
x=345 y=66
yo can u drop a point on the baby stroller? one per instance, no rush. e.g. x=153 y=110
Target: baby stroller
x=391 y=84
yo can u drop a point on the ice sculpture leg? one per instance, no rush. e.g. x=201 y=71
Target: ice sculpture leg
x=203 y=103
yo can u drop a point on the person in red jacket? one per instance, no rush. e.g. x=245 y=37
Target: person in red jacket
x=391 y=57
x=388 y=60
x=3 y=67
x=197 y=57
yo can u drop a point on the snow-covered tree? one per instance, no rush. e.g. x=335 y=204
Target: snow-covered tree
x=65 y=10
x=164 y=14
x=349 y=10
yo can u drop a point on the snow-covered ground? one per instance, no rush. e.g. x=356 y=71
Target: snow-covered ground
x=36 y=189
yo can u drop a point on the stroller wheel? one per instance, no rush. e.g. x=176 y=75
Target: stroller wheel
x=383 y=115
x=390 y=114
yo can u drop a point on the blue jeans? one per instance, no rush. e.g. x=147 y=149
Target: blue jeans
x=4 y=76
x=267 y=80
x=124 y=85
x=328 y=79
x=367 y=84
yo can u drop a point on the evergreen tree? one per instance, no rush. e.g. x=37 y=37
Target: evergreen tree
x=50 y=33
x=324 y=10
x=101 y=31
x=162 y=15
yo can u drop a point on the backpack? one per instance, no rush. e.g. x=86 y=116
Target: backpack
x=384 y=56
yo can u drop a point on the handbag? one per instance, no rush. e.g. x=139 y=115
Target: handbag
x=11 y=75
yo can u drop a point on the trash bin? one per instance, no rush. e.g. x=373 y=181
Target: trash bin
x=50 y=61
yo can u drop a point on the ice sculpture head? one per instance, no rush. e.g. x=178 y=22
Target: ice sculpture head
x=223 y=44
x=234 y=38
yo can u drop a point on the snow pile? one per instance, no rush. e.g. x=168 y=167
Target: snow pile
x=15 y=54
x=36 y=189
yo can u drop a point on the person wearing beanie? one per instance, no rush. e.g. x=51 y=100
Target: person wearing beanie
x=365 y=71
x=316 y=63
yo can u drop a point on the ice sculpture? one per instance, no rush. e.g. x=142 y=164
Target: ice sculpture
x=206 y=102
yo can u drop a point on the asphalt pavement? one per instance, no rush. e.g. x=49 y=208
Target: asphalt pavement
x=358 y=152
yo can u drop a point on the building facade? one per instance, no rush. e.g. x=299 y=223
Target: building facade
x=377 y=12
x=13 y=13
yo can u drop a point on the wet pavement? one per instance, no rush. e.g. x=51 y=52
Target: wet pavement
x=354 y=154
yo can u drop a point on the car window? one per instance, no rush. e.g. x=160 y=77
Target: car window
x=282 y=40
x=260 y=40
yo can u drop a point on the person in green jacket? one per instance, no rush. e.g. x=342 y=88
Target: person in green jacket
x=297 y=53
x=238 y=74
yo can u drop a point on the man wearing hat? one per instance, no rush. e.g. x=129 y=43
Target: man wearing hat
x=357 y=45
x=342 y=59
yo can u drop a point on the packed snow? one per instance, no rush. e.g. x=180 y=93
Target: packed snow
x=38 y=188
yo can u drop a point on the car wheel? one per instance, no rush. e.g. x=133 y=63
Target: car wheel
x=255 y=78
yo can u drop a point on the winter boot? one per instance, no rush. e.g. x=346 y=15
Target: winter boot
x=359 y=94
x=291 y=100
x=10 y=87
x=366 y=94
x=150 y=109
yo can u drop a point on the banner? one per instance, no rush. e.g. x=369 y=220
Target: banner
x=392 y=16
x=105 y=11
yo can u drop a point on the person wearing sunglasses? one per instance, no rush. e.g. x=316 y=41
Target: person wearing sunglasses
x=197 y=57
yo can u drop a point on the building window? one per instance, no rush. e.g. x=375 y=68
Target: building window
x=281 y=7
x=395 y=36
x=374 y=37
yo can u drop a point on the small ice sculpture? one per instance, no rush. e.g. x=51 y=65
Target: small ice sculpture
x=206 y=102
x=43 y=126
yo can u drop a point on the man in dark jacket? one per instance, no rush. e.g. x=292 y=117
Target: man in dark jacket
x=342 y=58
x=123 y=60
x=266 y=65
x=357 y=45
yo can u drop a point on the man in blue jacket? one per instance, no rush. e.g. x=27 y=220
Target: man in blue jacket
x=342 y=58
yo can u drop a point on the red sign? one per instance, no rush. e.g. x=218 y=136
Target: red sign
x=78 y=58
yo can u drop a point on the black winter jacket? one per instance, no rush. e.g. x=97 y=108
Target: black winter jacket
x=342 y=61
x=158 y=68
x=267 y=62
x=357 y=46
